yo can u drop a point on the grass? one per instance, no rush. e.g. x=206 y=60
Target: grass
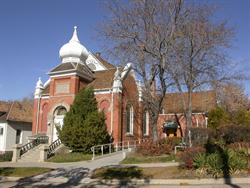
x=118 y=173
x=135 y=158
x=5 y=157
x=23 y=171
x=70 y=157
x=173 y=172
x=142 y=173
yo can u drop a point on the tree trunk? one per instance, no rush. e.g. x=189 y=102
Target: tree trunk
x=188 y=115
x=154 y=127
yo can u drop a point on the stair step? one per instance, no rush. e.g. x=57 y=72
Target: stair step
x=31 y=155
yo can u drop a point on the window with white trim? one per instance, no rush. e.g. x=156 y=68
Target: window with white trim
x=1 y=130
x=145 y=123
x=129 y=119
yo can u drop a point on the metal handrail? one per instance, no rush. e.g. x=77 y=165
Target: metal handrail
x=35 y=142
x=114 y=147
x=52 y=147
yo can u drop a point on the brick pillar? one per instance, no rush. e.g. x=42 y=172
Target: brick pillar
x=34 y=117
x=43 y=152
x=16 y=152
x=117 y=130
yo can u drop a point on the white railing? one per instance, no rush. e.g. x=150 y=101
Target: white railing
x=105 y=149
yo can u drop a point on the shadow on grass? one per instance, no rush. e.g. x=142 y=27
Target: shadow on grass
x=120 y=176
x=73 y=178
x=118 y=172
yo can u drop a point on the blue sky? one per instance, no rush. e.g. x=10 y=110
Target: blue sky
x=32 y=32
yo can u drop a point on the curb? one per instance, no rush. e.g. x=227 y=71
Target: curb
x=172 y=181
x=148 y=165
x=219 y=181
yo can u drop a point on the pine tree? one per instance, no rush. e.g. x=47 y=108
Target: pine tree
x=84 y=126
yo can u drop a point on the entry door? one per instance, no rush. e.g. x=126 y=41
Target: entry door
x=58 y=121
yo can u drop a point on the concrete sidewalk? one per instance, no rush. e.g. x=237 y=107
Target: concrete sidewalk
x=114 y=159
x=63 y=181
x=78 y=174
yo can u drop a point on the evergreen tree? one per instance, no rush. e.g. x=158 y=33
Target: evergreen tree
x=84 y=126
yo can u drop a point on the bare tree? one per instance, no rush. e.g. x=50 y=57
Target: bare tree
x=168 y=42
x=231 y=97
x=142 y=32
x=199 y=54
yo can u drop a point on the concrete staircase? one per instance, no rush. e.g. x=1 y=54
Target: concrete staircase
x=32 y=155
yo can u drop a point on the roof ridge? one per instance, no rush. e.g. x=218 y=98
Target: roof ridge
x=7 y=117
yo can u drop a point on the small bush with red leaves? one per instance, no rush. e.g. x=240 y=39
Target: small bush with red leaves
x=164 y=146
x=189 y=154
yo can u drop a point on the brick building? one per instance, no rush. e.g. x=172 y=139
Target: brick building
x=116 y=90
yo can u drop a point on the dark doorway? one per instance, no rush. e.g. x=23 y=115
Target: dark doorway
x=18 y=136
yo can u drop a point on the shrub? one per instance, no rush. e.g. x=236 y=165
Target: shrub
x=214 y=164
x=200 y=136
x=241 y=117
x=235 y=161
x=164 y=146
x=189 y=155
x=200 y=161
x=217 y=117
x=84 y=126
x=243 y=150
x=7 y=156
x=235 y=133
x=221 y=162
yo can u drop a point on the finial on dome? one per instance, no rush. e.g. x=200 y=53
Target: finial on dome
x=74 y=36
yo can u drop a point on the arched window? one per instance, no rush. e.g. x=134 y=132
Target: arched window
x=59 y=114
x=129 y=119
x=145 y=123
x=60 y=111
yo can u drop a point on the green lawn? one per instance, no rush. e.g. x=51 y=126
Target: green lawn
x=22 y=171
x=118 y=173
x=142 y=173
x=70 y=157
x=132 y=172
x=135 y=158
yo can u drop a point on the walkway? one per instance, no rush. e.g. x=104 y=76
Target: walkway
x=77 y=174
x=113 y=159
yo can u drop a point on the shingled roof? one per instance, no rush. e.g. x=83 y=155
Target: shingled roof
x=103 y=79
x=16 y=111
x=201 y=102
x=72 y=67
x=104 y=62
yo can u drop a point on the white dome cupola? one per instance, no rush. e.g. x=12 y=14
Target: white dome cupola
x=73 y=51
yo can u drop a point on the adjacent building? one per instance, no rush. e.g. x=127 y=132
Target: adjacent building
x=15 y=124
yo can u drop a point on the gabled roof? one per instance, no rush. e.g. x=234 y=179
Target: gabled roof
x=16 y=111
x=103 y=79
x=104 y=62
x=201 y=101
x=4 y=108
x=80 y=68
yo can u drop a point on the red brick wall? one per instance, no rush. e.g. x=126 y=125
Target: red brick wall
x=130 y=96
x=104 y=103
x=198 y=120
x=47 y=105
